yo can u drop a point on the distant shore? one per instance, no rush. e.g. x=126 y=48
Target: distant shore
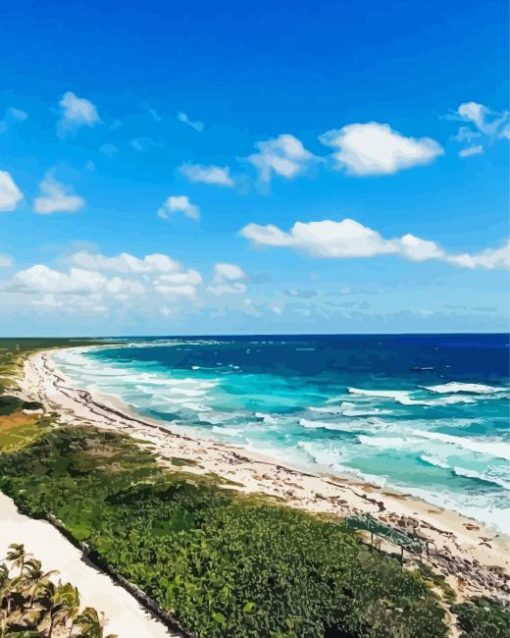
x=472 y=557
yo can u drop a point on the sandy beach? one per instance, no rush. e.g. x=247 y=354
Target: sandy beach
x=473 y=558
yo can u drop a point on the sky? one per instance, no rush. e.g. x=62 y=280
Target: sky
x=253 y=168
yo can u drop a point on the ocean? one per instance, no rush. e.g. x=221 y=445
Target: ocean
x=426 y=414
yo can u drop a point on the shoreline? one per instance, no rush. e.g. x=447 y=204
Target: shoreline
x=472 y=557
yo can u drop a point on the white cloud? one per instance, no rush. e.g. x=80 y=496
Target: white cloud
x=197 y=125
x=138 y=284
x=474 y=112
x=187 y=278
x=228 y=279
x=471 y=150
x=5 y=261
x=56 y=197
x=490 y=259
x=284 y=155
x=179 y=204
x=143 y=144
x=48 y=301
x=41 y=278
x=125 y=263
x=487 y=121
x=376 y=149
x=10 y=194
x=180 y=284
x=217 y=175
x=348 y=239
x=488 y=126
x=77 y=112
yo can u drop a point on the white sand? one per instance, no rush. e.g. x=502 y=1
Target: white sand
x=123 y=614
x=471 y=556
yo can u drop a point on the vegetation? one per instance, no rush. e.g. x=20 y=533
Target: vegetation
x=221 y=563
x=483 y=618
x=33 y=606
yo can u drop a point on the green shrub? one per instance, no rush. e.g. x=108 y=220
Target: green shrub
x=483 y=618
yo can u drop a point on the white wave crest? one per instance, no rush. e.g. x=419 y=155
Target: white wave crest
x=349 y=409
x=481 y=476
x=397 y=395
x=454 y=387
x=494 y=448
x=320 y=455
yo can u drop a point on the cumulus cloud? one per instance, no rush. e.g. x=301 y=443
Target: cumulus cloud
x=41 y=278
x=284 y=155
x=10 y=194
x=179 y=204
x=93 y=283
x=490 y=259
x=5 y=261
x=217 y=175
x=376 y=149
x=486 y=125
x=77 y=112
x=228 y=279
x=348 y=239
x=124 y=263
x=197 y=125
x=56 y=198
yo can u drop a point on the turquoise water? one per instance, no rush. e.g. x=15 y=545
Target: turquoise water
x=427 y=414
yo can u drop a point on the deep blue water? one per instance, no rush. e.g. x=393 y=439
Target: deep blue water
x=428 y=414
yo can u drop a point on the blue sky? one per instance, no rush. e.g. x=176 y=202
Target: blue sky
x=220 y=168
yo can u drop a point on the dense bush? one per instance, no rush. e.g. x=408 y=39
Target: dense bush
x=225 y=565
x=483 y=618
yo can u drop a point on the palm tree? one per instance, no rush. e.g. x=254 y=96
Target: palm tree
x=17 y=555
x=69 y=599
x=5 y=585
x=91 y=625
x=34 y=579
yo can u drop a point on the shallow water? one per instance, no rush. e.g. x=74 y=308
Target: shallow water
x=427 y=414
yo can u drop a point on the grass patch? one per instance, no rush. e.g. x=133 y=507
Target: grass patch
x=18 y=430
x=179 y=461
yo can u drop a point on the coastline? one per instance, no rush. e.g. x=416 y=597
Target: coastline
x=471 y=556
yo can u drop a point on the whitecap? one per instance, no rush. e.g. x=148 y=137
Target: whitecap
x=494 y=448
x=481 y=476
x=397 y=395
x=435 y=461
x=320 y=455
x=471 y=388
x=385 y=442
x=349 y=409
